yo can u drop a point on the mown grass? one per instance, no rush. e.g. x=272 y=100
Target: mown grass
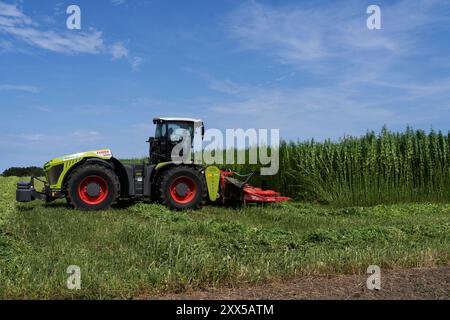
x=144 y=249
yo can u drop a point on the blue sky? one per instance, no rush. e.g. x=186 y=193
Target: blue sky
x=309 y=68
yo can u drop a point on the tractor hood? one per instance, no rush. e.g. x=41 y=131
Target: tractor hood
x=102 y=154
x=56 y=169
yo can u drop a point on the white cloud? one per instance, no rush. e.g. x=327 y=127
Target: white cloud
x=71 y=43
x=59 y=9
x=269 y=104
x=15 y=23
x=43 y=109
x=10 y=14
x=96 y=109
x=24 y=88
x=324 y=111
x=29 y=137
x=119 y=51
x=136 y=62
x=287 y=32
x=309 y=37
x=117 y=2
x=226 y=86
x=5 y=46
x=87 y=136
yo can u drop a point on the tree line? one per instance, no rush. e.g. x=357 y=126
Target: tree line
x=23 y=172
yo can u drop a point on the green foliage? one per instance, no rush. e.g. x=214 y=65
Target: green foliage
x=373 y=169
x=23 y=172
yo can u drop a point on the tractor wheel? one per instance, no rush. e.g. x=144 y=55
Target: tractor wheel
x=183 y=188
x=92 y=187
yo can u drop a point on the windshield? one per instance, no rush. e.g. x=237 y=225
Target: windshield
x=177 y=130
x=174 y=130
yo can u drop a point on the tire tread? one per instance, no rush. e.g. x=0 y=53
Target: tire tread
x=70 y=185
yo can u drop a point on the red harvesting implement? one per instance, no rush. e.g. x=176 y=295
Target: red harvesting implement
x=241 y=192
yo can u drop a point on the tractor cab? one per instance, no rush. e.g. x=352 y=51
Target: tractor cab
x=170 y=132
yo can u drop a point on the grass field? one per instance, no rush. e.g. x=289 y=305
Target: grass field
x=144 y=249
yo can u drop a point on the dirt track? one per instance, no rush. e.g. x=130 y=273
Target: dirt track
x=431 y=283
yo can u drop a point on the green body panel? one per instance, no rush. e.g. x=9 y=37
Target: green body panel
x=212 y=174
x=70 y=160
x=162 y=164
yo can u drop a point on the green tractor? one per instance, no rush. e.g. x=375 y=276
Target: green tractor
x=95 y=180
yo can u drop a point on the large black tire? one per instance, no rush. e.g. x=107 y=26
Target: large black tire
x=92 y=187
x=183 y=188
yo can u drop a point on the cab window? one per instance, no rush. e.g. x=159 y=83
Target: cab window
x=160 y=130
x=177 y=130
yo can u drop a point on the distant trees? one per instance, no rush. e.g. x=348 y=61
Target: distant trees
x=23 y=172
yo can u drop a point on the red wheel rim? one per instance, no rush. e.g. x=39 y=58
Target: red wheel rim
x=93 y=180
x=186 y=183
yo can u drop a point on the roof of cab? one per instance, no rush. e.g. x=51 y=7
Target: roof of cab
x=176 y=119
